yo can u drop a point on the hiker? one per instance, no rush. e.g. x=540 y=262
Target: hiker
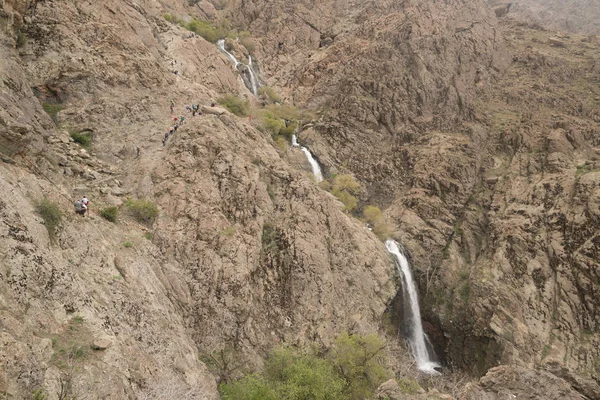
x=176 y=126
x=175 y=119
x=170 y=132
x=187 y=108
x=172 y=106
x=164 y=141
x=80 y=208
x=181 y=120
x=85 y=202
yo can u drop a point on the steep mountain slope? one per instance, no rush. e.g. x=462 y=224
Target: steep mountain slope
x=246 y=252
x=478 y=139
x=487 y=167
x=577 y=16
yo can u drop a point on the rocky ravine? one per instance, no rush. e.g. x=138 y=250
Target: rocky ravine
x=246 y=253
x=481 y=140
x=487 y=167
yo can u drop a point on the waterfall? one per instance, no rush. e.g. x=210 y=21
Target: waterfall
x=246 y=71
x=316 y=168
x=221 y=44
x=314 y=165
x=252 y=77
x=425 y=362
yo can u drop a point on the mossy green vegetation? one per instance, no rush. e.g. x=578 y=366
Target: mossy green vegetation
x=352 y=369
x=207 y=29
x=52 y=109
x=143 y=210
x=51 y=214
x=110 y=213
x=235 y=104
x=82 y=138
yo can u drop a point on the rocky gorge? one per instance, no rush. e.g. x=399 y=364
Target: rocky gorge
x=476 y=133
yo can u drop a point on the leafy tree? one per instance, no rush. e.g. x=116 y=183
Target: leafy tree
x=360 y=360
x=250 y=387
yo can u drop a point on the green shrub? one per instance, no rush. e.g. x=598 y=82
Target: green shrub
x=353 y=369
x=149 y=235
x=344 y=187
x=372 y=214
x=349 y=200
x=375 y=217
x=39 y=395
x=51 y=214
x=143 y=210
x=235 y=104
x=52 y=110
x=83 y=138
x=250 y=387
x=206 y=29
x=289 y=375
x=128 y=244
x=360 y=360
x=109 y=213
x=409 y=386
x=21 y=39
x=303 y=376
x=346 y=183
x=269 y=93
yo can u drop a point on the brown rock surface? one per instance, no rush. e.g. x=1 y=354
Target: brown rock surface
x=488 y=168
x=506 y=382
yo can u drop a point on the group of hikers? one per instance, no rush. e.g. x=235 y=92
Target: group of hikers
x=177 y=122
x=81 y=206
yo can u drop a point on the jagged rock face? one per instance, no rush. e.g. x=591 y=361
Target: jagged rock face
x=578 y=16
x=392 y=70
x=273 y=258
x=507 y=382
x=246 y=253
x=489 y=169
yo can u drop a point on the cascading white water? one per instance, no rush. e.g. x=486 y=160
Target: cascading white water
x=425 y=362
x=314 y=165
x=221 y=44
x=250 y=80
x=295 y=141
x=252 y=77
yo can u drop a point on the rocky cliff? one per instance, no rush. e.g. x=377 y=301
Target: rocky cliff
x=478 y=139
x=577 y=16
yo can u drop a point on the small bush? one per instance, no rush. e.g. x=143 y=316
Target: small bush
x=409 y=386
x=110 y=213
x=39 y=395
x=51 y=214
x=52 y=110
x=250 y=387
x=269 y=93
x=229 y=231
x=21 y=39
x=360 y=360
x=143 y=210
x=375 y=217
x=128 y=244
x=349 y=200
x=82 y=138
x=149 y=235
x=372 y=214
x=235 y=104
x=346 y=183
